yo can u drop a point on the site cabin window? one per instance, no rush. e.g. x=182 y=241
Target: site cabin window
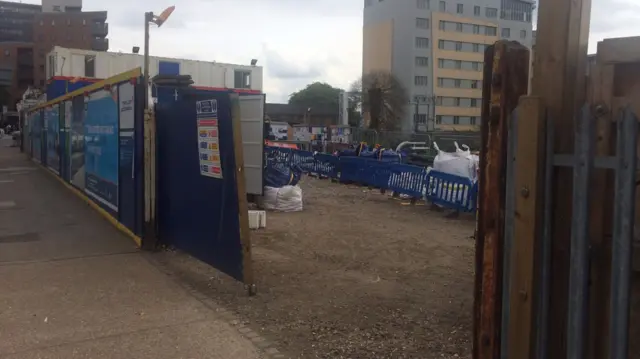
x=422 y=23
x=56 y=8
x=89 y=66
x=443 y=6
x=460 y=9
x=242 y=79
x=423 y=4
x=506 y=32
x=476 y=10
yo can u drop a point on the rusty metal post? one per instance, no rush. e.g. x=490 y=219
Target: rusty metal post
x=506 y=77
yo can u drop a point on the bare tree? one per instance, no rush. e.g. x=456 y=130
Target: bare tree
x=380 y=94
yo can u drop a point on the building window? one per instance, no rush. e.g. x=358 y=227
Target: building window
x=422 y=61
x=457 y=83
x=438 y=119
x=491 y=12
x=472 y=120
x=459 y=27
x=474 y=102
x=422 y=23
x=476 y=10
x=420 y=81
x=241 y=79
x=456 y=120
x=420 y=118
x=506 y=32
x=523 y=34
x=443 y=6
x=490 y=31
x=476 y=29
x=460 y=9
x=458 y=46
x=474 y=84
x=423 y=4
x=422 y=42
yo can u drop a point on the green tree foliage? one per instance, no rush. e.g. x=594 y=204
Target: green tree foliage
x=317 y=94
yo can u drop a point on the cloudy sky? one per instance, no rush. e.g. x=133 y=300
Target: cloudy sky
x=297 y=41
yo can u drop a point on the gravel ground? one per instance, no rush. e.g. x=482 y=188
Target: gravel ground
x=355 y=275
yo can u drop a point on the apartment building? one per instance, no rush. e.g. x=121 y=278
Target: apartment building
x=28 y=32
x=436 y=49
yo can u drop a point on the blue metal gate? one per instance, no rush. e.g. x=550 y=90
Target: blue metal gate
x=198 y=211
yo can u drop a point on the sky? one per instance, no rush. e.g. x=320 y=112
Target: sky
x=296 y=41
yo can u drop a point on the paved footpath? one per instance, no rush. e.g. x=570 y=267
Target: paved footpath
x=72 y=286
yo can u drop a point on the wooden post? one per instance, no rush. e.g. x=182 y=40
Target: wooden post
x=559 y=80
x=506 y=78
x=529 y=198
x=243 y=208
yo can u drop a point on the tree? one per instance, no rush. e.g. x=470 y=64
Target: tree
x=317 y=94
x=389 y=95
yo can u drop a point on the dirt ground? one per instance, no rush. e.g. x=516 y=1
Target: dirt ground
x=355 y=275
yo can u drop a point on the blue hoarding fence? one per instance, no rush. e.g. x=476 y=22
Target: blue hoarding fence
x=446 y=190
x=92 y=139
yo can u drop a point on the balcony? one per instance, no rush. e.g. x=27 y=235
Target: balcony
x=99 y=29
x=99 y=44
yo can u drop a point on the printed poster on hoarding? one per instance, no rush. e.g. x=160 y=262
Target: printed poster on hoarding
x=208 y=138
x=52 y=124
x=36 y=135
x=76 y=116
x=101 y=147
x=126 y=95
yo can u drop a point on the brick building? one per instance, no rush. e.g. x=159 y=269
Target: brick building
x=28 y=32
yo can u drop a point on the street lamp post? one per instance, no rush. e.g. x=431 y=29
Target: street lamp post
x=158 y=20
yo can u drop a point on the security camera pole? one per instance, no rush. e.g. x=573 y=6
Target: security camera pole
x=158 y=20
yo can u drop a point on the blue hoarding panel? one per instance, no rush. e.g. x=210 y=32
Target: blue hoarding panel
x=59 y=87
x=52 y=120
x=197 y=212
x=102 y=147
x=35 y=120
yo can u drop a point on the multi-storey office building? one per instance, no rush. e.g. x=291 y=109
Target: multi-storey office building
x=436 y=49
x=28 y=32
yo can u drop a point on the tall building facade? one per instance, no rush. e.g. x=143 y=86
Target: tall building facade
x=436 y=50
x=28 y=32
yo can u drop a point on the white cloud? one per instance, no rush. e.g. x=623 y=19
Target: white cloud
x=297 y=41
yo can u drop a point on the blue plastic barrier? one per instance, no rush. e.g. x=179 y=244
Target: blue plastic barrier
x=304 y=159
x=451 y=191
x=326 y=165
x=408 y=180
